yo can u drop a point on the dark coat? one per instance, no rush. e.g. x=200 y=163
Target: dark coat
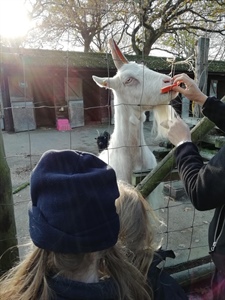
x=205 y=183
x=66 y=289
x=163 y=285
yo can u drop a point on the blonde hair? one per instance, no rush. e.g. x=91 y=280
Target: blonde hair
x=137 y=230
x=28 y=280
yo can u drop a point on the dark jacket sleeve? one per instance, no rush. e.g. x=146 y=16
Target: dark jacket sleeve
x=204 y=183
x=214 y=110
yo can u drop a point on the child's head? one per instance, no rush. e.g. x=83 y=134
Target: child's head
x=75 y=226
x=137 y=227
x=73 y=203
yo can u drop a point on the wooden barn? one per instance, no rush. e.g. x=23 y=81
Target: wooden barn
x=41 y=87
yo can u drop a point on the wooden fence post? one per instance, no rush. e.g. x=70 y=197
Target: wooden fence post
x=8 y=241
x=201 y=69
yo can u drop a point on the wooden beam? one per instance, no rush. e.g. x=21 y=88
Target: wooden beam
x=137 y=177
x=217 y=141
x=9 y=253
x=201 y=67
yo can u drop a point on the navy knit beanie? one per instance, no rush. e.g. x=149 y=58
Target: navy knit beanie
x=73 y=203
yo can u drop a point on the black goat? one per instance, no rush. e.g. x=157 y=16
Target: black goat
x=103 y=141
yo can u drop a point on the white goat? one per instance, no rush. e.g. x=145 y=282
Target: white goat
x=136 y=89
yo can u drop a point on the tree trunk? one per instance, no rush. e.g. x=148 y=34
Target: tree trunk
x=8 y=241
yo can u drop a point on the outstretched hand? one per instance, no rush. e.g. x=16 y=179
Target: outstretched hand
x=178 y=131
x=191 y=90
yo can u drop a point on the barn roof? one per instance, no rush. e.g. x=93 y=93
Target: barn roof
x=81 y=60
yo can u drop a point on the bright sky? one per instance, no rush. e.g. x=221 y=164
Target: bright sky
x=13 y=19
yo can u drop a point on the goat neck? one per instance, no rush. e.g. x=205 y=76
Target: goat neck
x=128 y=128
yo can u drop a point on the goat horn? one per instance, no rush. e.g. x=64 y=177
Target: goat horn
x=118 y=57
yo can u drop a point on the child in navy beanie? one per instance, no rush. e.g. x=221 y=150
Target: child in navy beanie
x=73 y=203
x=74 y=226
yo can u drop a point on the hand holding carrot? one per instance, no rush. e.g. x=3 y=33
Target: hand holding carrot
x=190 y=91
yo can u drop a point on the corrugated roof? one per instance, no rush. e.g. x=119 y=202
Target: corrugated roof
x=55 y=58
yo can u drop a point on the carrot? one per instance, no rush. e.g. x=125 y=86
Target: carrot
x=167 y=88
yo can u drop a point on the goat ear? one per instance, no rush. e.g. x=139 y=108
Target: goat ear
x=118 y=57
x=102 y=82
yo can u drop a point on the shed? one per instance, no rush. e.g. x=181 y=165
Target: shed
x=39 y=87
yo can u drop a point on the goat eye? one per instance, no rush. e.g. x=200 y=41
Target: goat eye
x=129 y=80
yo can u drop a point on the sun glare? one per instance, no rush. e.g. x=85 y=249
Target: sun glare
x=13 y=19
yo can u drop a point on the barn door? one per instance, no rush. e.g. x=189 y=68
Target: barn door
x=74 y=98
x=21 y=99
x=44 y=102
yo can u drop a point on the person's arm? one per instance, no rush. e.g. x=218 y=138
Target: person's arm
x=212 y=108
x=204 y=184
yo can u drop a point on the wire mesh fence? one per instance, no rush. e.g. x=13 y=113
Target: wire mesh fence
x=185 y=230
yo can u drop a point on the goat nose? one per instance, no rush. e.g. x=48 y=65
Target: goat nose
x=168 y=81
